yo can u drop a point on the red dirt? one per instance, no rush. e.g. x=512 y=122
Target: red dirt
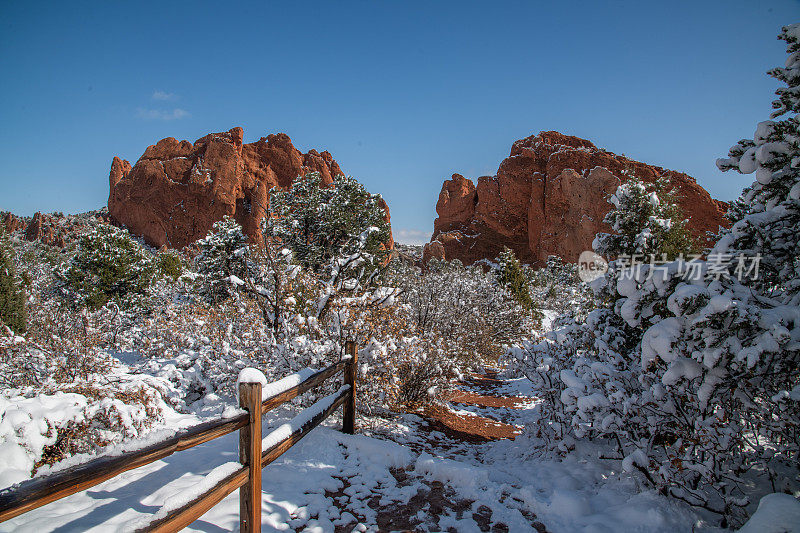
x=467 y=428
x=474 y=428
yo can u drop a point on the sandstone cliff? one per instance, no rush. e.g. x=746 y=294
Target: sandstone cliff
x=549 y=198
x=177 y=189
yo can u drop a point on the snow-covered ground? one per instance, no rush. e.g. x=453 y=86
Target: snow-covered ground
x=397 y=474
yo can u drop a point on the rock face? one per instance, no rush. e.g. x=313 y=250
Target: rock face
x=12 y=222
x=55 y=229
x=549 y=198
x=177 y=190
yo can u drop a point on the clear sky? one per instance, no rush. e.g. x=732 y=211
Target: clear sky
x=402 y=94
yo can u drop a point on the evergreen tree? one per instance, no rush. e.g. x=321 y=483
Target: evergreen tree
x=769 y=210
x=319 y=224
x=12 y=297
x=109 y=265
x=223 y=259
x=646 y=220
x=170 y=264
x=511 y=276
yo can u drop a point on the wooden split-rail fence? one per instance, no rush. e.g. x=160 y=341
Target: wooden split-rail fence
x=29 y=495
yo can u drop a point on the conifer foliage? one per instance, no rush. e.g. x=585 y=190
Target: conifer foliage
x=320 y=223
x=646 y=220
x=511 y=276
x=12 y=296
x=223 y=259
x=109 y=265
x=770 y=208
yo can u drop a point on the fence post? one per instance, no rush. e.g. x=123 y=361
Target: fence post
x=349 y=421
x=250 y=455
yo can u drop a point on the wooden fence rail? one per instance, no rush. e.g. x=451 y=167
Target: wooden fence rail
x=31 y=494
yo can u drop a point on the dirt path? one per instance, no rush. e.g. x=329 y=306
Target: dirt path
x=475 y=410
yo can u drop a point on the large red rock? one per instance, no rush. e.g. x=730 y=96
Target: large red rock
x=177 y=190
x=549 y=198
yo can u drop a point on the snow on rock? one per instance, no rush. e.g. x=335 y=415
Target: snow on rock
x=776 y=513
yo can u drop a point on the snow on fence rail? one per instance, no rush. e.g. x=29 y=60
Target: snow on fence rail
x=257 y=398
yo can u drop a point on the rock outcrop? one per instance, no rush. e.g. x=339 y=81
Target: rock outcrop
x=12 y=222
x=55 y=229
x=177 y=190
x=549 y=198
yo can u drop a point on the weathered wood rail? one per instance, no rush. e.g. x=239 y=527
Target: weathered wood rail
x=37 y=492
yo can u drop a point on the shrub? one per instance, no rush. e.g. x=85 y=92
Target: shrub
x=222 y=260
x=511 y=276
x=556 y=287
x=463 y=305
x=169 y=264
x=693 y=375
x=646 y=220
x=109 y=265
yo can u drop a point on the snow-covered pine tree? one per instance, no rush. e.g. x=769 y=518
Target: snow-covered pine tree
x=646 y=220
x=771 y=206
x=109 y=265
x=222 y=260
x=320 y=223
x=12 y=296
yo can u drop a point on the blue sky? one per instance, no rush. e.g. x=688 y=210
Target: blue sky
x=403 y=94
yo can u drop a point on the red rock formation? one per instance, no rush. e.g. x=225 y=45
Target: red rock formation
x=38 y=230
x=549 y=198
x=119 y=169
x=177 y=190
x=12 y=222
x=54 y=229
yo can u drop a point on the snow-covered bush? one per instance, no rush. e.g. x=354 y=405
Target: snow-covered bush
x=63 y=393
x=691 y=369
x=12 y=295
x=556 y=287
x=769 y=210
x=170 y=264
x=464 y=305
x=222 y=261
x=109 y=265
